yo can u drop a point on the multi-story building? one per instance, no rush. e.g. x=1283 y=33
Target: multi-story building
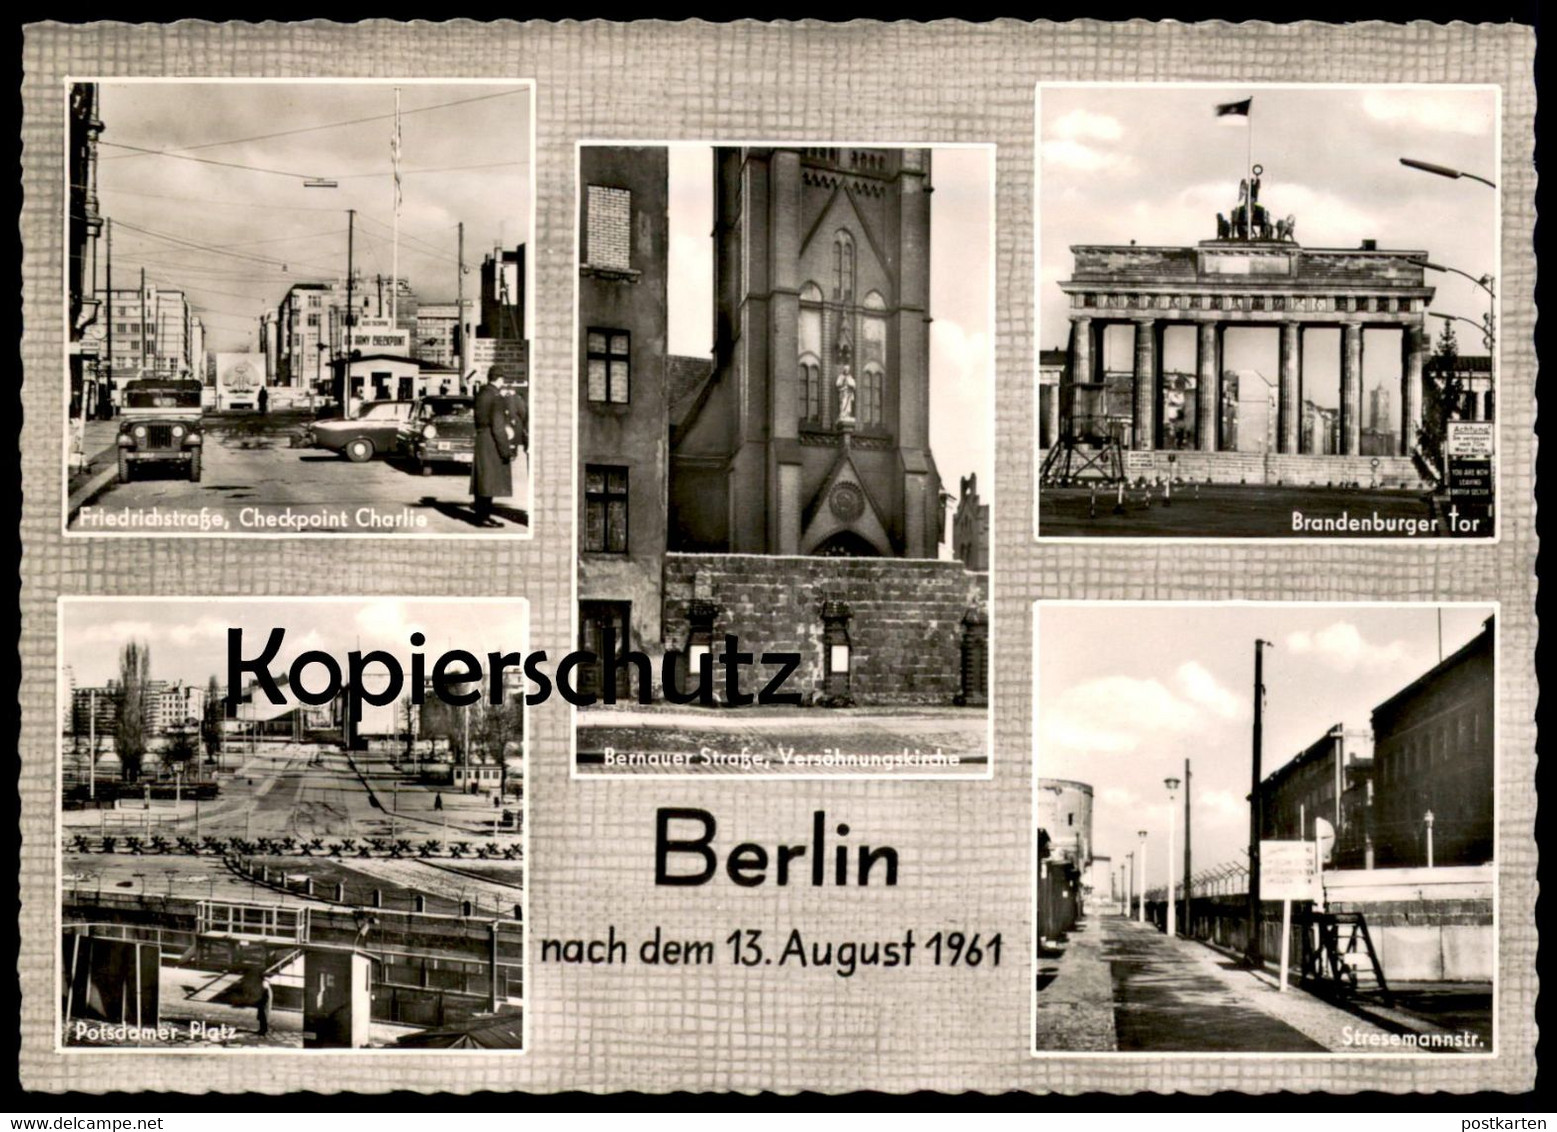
x=623 y=409
x=1321 y=430
x=1433 y=763
x=303 y=345
x=502 y=295
x=150 y=329
x=439 y=328
x=1249 y=406
x=270 y=341
x=1330 y=779
x=1379 y=416
x=83 y=225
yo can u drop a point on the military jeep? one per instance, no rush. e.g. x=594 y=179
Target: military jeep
x=160 y=424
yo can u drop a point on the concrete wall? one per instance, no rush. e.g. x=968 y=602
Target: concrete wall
x=1428 y=925
x=906 y=632
x=1269 y=468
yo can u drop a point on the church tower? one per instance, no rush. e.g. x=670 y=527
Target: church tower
x=811 y=435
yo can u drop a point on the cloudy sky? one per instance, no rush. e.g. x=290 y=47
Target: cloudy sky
x=1155 y=165
x=237 y=227
x=1128 y=691
x=961 y=348
x=188 y=639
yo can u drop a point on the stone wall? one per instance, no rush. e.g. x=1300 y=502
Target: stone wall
x=905 y=633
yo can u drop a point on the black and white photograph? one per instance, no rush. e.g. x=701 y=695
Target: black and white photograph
x=1265 y=829
x=302 y=851
x=298 y=307
x=784 y=433
x=1267 y=312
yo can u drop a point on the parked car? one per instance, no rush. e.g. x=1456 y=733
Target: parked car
x=442 y=430
x=160 y=424
x=371 y=433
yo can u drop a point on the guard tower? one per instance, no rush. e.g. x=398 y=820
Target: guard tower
x=1090 y=441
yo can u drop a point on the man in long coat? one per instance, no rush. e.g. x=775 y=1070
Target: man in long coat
x=496 y=435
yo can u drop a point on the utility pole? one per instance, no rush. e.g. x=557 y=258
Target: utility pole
x=351 y=307
x=1187 y=921
x=107 y=390
x=143 y=318
x=1253 y=953
x=459 y=307
x=91 y=743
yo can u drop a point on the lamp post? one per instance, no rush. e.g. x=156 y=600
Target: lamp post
x=1141 y=915
x=1443 y=171
x=1173 y=791
x=1129 y=901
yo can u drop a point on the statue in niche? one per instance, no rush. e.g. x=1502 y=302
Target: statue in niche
x=845 y=386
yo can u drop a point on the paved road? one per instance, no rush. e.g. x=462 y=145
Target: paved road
x=1235 y=511
x=1165 y=1000
x=254 y=482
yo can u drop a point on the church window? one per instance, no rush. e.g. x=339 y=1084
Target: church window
x=872 y=395
x=608 y=224
x=810 y=390
x=809 y=401
x=609 y=362
x=605 y=509
x=843 y=267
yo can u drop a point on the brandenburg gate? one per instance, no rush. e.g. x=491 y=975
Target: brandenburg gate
x=1251 y=275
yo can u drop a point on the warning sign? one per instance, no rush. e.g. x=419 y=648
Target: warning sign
x=1472 y=438
x=1287 y=871
x=513 y=354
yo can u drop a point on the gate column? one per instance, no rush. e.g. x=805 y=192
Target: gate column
x=1289 y=411
x=1413 y=344
x=1080 y=369
x=1351 y=389
x=1206 y=408
x=1145 y=438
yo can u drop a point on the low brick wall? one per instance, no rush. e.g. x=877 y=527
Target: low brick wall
x=905 y=633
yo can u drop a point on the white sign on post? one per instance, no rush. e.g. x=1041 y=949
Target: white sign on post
x=1472 y=438
x=1288 y=873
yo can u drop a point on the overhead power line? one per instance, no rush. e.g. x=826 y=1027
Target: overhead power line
x=329 y=125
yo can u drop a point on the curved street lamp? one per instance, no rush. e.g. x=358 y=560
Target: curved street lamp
x=1443 y=171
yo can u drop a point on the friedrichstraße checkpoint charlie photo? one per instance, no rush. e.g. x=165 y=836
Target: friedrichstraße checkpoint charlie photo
x=289 y=328
x=768 y=558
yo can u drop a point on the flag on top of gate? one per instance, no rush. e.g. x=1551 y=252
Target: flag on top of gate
x=1223 y=109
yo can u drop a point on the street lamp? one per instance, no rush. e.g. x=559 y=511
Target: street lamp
x=1142 y=914
x=1485 y=326
x=1443 y=171
x=1173 y=790
x=1487 y=283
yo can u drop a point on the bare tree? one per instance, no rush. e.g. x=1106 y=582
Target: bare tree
x=130 y=728
x=211 y=718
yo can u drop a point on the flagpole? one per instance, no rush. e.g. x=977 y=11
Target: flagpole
x=394 y=267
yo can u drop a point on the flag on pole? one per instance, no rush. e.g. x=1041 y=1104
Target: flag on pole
x=1241 y=109
x=394 y=149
